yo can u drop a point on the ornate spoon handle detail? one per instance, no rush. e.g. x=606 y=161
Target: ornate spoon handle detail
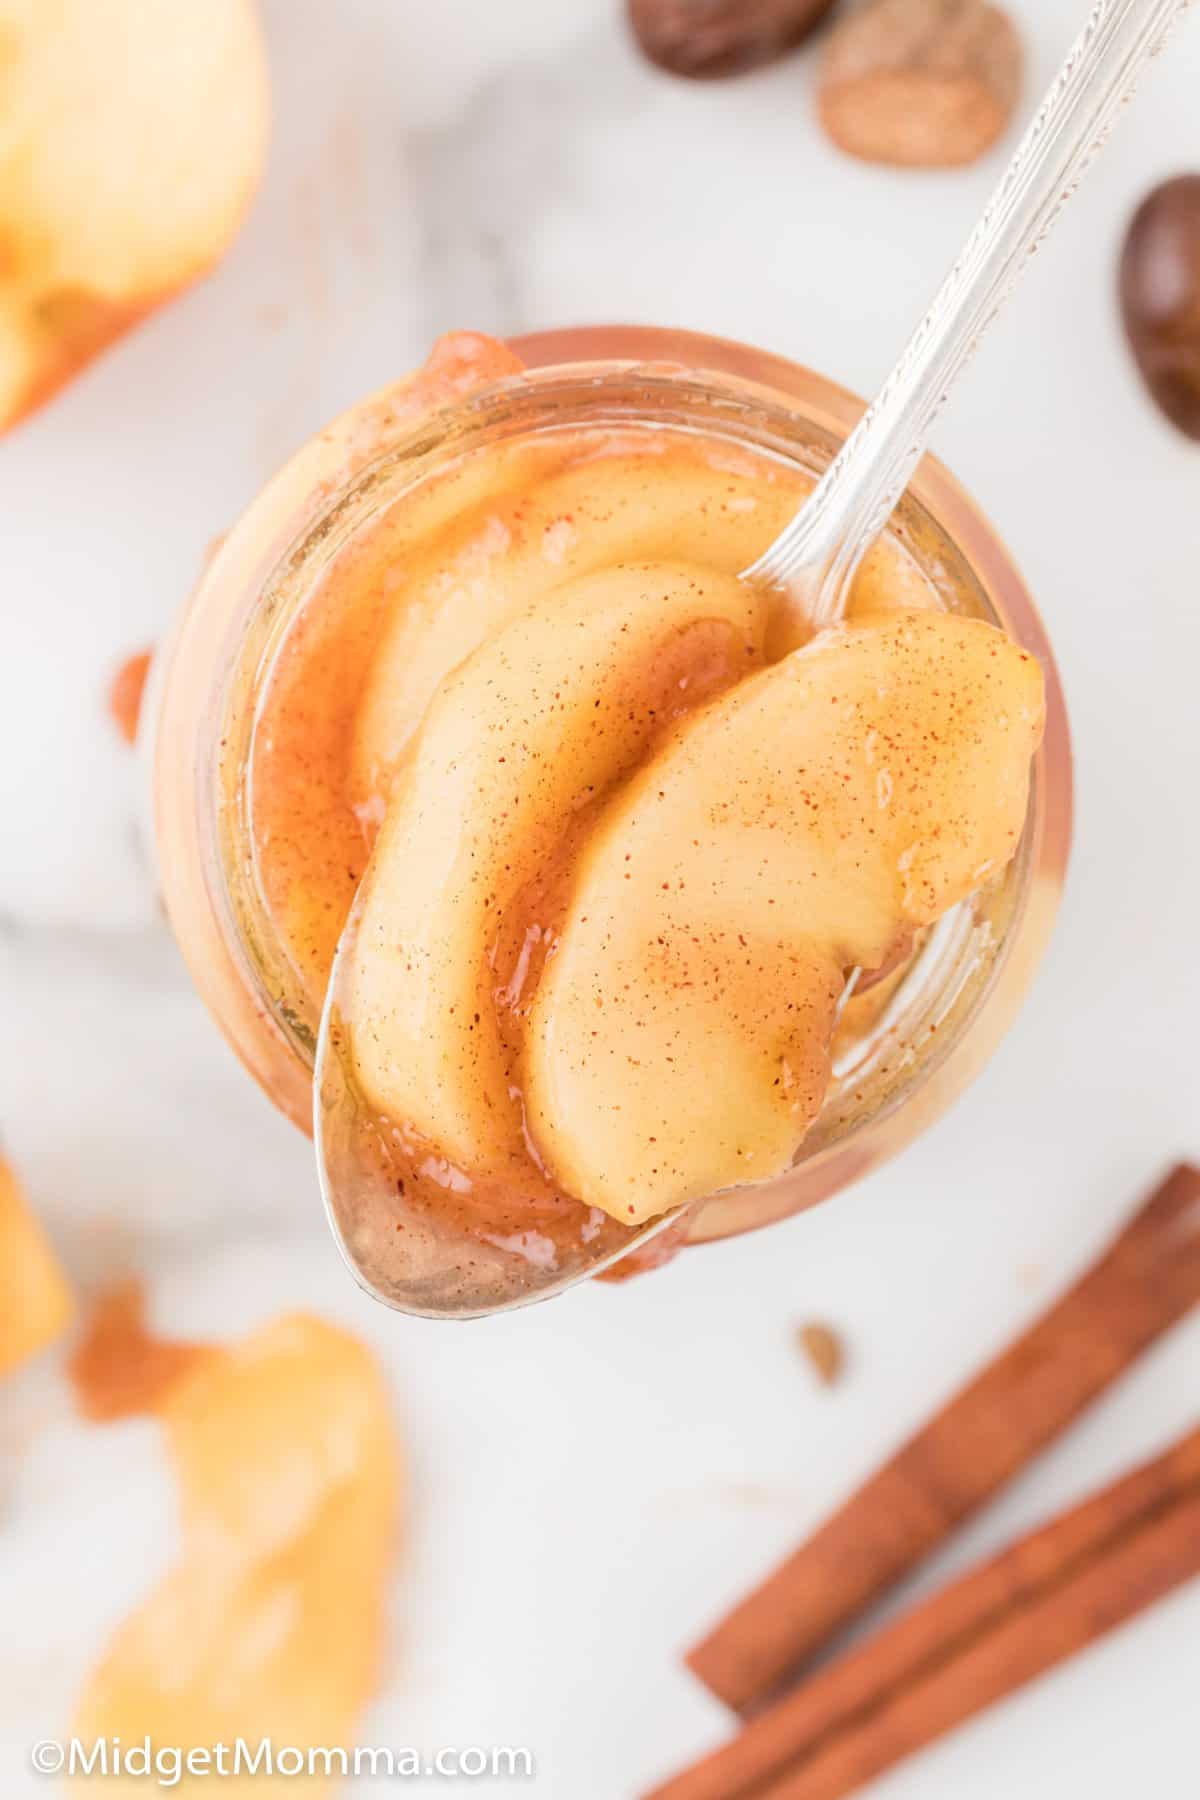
x=816 y=555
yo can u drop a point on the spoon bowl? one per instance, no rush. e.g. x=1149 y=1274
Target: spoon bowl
x=398 y=1250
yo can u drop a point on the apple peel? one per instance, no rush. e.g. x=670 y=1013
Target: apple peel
x=271 y=1622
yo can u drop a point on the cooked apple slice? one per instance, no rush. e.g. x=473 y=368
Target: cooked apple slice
x=528 y=523
x=131 y=141
x=531 y=728
x=529 y=541
x=35 y=1301
x=679 y=1039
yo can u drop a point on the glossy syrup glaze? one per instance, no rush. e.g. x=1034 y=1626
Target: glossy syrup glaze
x=439 y=573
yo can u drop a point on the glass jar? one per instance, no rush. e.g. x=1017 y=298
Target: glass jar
x=967 y=980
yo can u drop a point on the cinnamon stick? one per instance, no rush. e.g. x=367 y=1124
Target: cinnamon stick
x=1155 y=1559
x=1147 y=1280
x=994 y=1629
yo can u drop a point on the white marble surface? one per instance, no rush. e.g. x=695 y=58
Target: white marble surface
x=592 y=1480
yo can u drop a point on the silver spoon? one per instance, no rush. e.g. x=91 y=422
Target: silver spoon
x=410 y=1261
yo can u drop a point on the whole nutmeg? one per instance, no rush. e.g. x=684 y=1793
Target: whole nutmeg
x=703 y=38
x=920 y=84
x=1160 y=298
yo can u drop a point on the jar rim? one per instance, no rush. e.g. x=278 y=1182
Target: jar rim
x=692 y=371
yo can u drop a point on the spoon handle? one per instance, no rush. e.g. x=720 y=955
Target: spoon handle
x=816 y=555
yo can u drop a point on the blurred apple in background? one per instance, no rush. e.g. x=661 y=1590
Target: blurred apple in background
x=132 y=137
x=35 y=1301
